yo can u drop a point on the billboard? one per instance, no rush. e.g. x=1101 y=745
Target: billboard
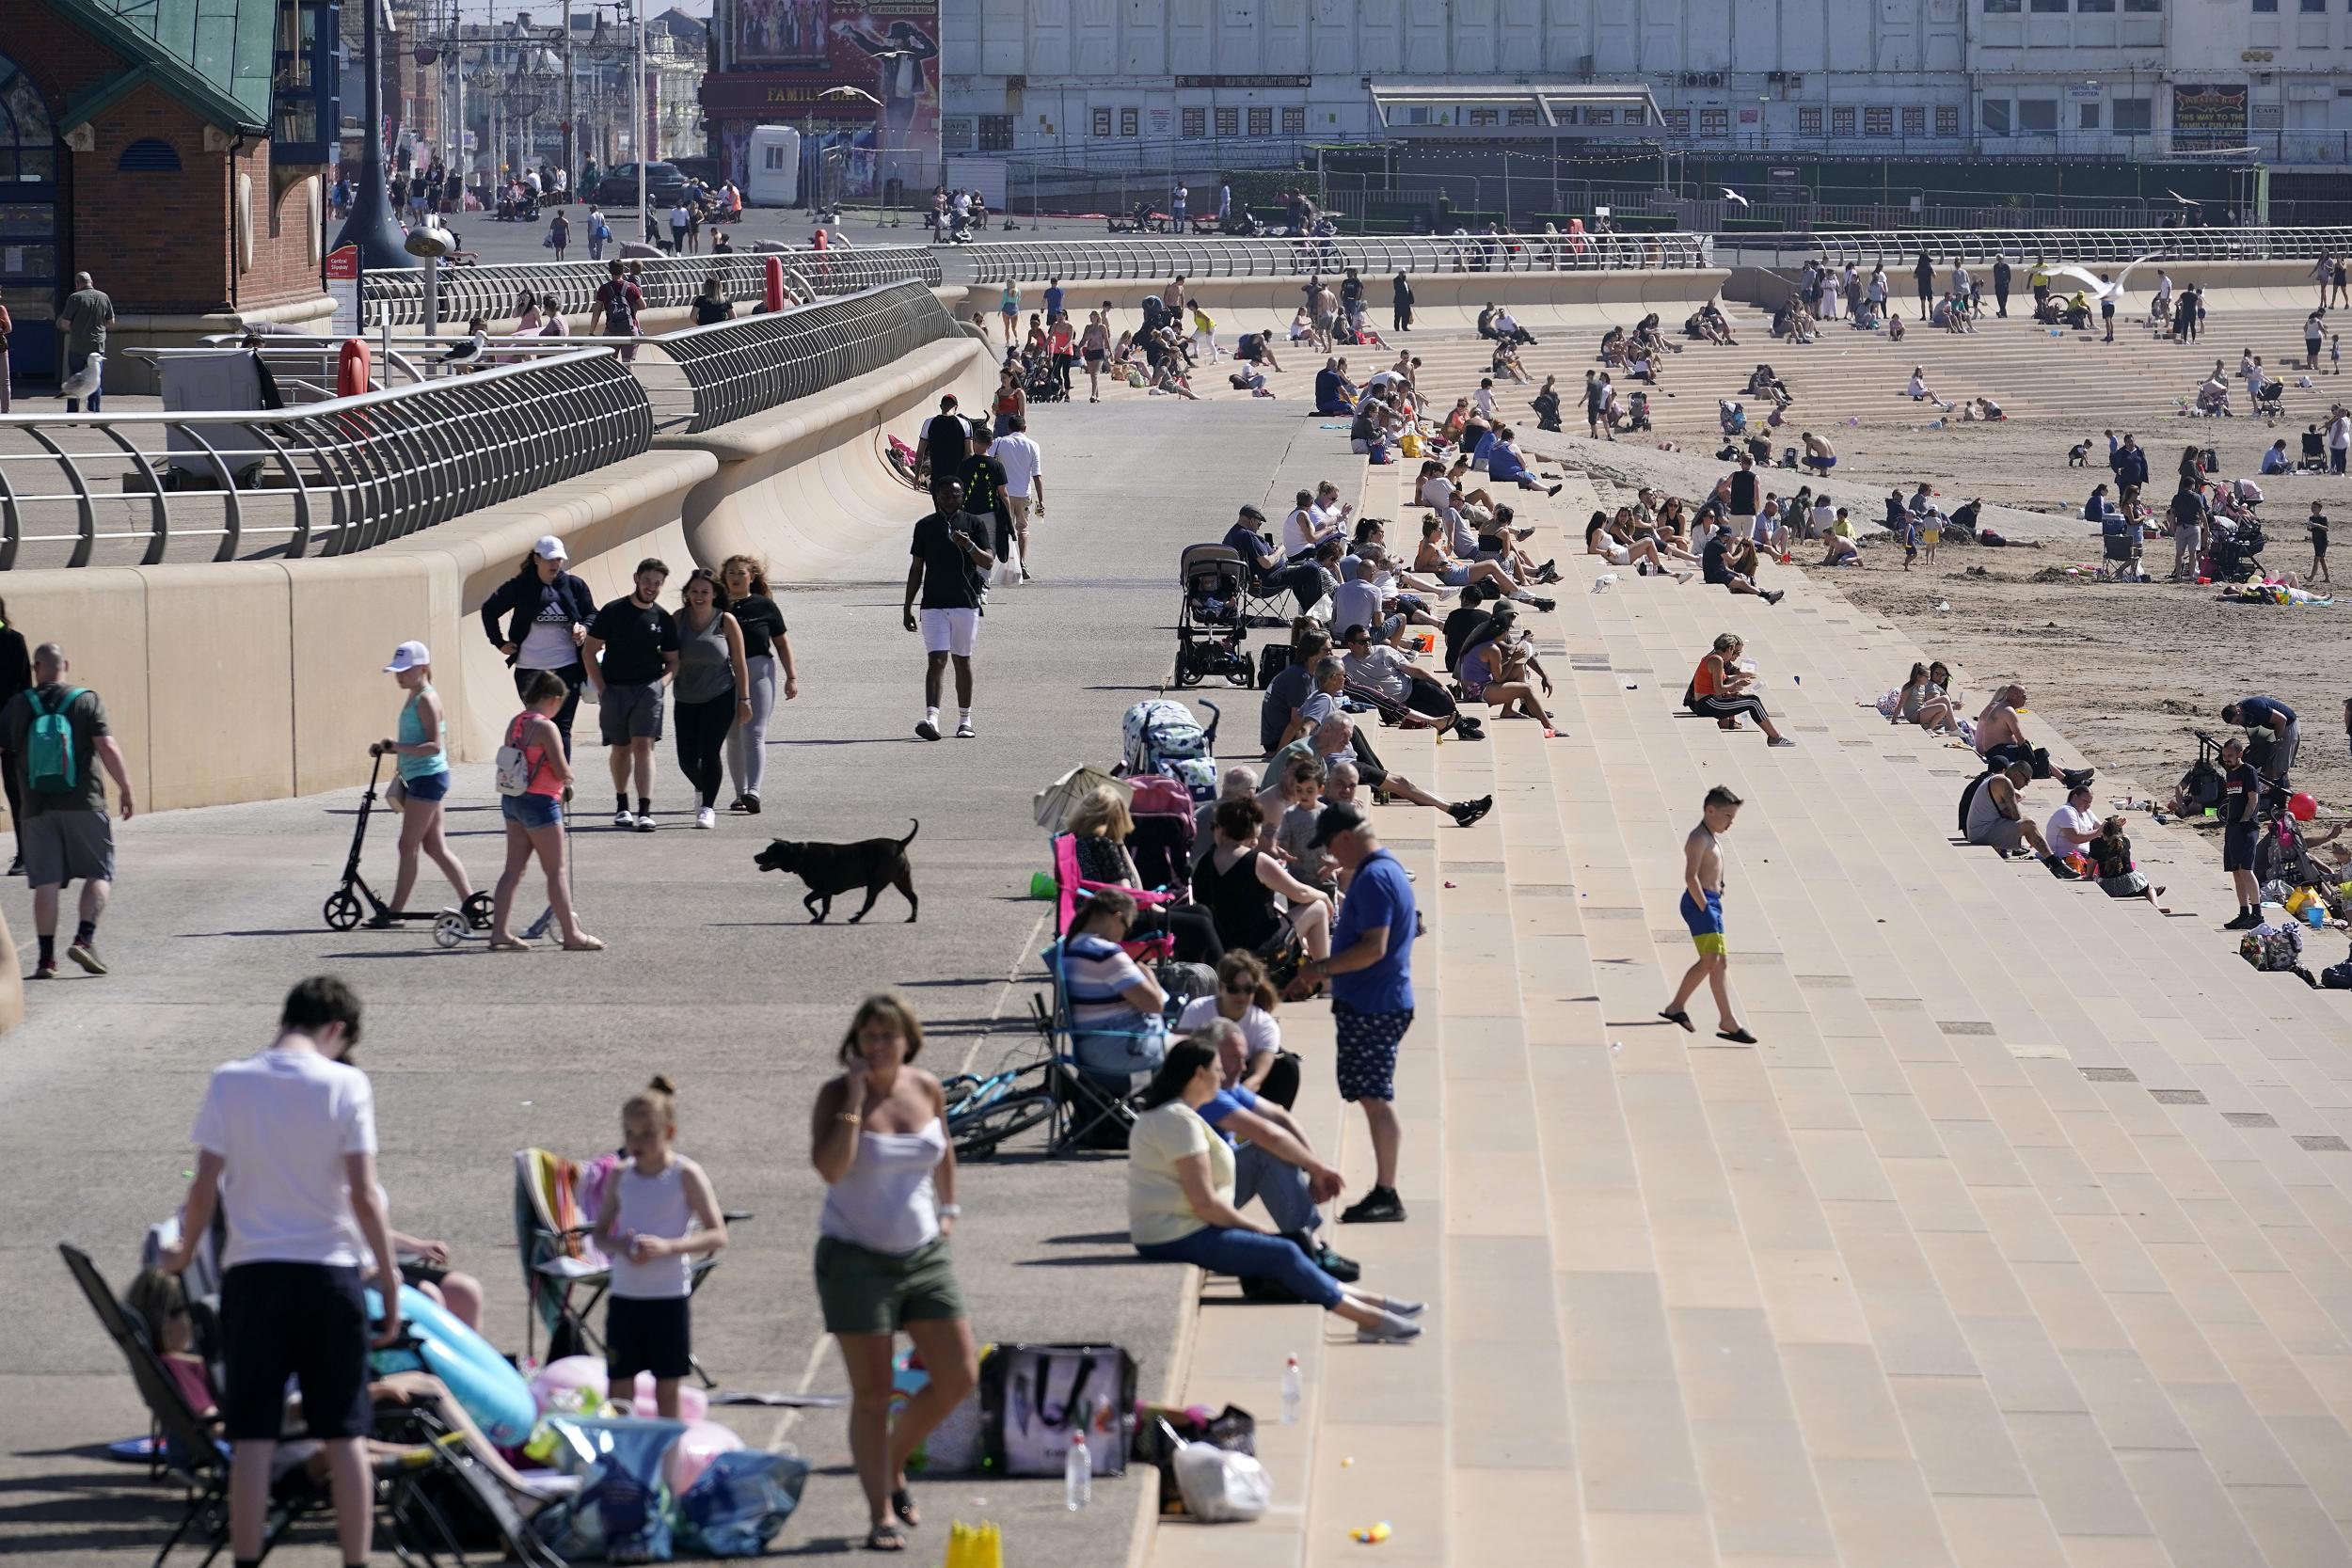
x=2208 y=115
x=886 y=49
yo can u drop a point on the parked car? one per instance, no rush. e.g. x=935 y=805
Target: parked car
x=704 y=169
x=618 y=188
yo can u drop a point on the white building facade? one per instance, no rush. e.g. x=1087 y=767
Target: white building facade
x=1086 y=81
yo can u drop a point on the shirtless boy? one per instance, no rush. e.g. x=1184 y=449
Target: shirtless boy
x=1702 y=913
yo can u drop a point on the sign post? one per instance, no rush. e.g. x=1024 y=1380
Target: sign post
x=342 y=287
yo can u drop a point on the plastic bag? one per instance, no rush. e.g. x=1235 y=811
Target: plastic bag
x=1220 y=1486
x=622 y=1509
x=738 y=1504
x=1007 y=572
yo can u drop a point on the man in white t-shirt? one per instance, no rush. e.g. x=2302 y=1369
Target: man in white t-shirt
x=2072 y=827
x=1303 y=529
x=286 y=1142
x=1025 y=480
x=1484 y=399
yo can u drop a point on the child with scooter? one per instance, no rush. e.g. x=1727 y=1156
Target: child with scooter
x=420 y=751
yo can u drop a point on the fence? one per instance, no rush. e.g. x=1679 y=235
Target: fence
x=1103 y=261
x=668 y=282
x=739 y=368
x=342 y=475
x=2055 y=244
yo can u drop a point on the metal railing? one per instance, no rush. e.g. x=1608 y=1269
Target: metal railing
x=668 y=282
x=2056 y=244
x=1208 y=256
x=339 y=476
x=744 y=367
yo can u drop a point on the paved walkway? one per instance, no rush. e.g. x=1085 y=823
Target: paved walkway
x=2020 y=1240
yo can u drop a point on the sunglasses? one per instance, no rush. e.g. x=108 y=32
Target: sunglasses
x=1239 y=991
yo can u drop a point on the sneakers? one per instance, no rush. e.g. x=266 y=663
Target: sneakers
x=1782 y=740
x=2075 y=778
x=1345 y=1270
x=750 y=804
x=1389 y=1330
x=644 y=822
x=1380 y=1206
x=706 y=818
x=1467 y=812
x=2247 y=919
x=926 y=730
x=2062 y=871
x=622 y=820
x=16 y=866
x=1553 y=491
x=1543 y=605
x=45 y=970
x=1774 y=596
x=965 y=731
x=737 y=804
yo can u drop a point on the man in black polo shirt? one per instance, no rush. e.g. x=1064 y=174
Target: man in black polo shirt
x=946 y=442
x=638 y=643
x=951 y=559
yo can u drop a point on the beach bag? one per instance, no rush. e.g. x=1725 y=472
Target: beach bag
x=1032 y=1397
x=514 y=766
x=739 y=1502
x=49 y=745
x=1163 y=737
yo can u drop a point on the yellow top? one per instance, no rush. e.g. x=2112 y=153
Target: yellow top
x=1157 y=1210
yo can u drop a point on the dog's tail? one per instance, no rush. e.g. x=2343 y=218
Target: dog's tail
x=910 y=838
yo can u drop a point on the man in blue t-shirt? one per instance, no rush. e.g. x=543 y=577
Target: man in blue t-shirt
x=1371 y=971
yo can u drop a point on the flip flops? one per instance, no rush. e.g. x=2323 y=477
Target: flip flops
x=1677 y=1016
x=1737 y=1036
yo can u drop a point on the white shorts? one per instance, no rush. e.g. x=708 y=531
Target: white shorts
x=950 y=631
x=1743 y=527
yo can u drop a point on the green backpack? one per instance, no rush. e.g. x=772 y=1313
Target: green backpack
x=49 y=745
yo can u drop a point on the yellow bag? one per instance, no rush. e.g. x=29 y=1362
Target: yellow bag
x=1410 y=445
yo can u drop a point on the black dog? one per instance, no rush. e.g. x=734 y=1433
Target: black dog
x=833 y=869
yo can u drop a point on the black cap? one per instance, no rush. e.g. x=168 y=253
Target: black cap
x=1334 y=821
x=1253 y=513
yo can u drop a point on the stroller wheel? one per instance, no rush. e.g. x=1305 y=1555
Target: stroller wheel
x=477 y=911
x=1186 y=674
x=341 y=911
x=1246 y=672
x=449 y=929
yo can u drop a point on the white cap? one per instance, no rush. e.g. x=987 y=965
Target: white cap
x=549 y=548
x=408 y=656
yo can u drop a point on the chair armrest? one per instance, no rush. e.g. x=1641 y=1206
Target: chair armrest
x=1143 y=895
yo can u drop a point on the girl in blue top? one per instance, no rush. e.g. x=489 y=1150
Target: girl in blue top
x=421 y=750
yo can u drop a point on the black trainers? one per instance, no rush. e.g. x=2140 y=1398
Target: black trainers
x=1379 y=1206
x=2075 y=778
x=1773 y=597
x=1345 y=1270
x=1545 y=606
x=1467 y=812
x=2247 y=919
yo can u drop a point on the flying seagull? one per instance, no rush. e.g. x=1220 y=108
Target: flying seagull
x=1730 y=195
x=2104 y=291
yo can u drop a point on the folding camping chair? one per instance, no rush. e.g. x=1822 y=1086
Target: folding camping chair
x=556 y=1203
x=1091 y=1106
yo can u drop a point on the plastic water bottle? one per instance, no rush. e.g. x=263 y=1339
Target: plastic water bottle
x=1077 y=1474
x=1292 y=1391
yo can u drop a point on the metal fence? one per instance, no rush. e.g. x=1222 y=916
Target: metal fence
x=2055 y=244
x=742 y=366
x=331 y=478
x=1143 y=256
x=396 y=297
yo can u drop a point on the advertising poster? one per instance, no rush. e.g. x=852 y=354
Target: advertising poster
x=2208 y=115
x=887 y=49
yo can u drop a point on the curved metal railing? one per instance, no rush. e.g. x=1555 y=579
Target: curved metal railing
x=340 y=476
x=742 y=366
x=2056 y=244
x=1212 y=256
x=396 y=297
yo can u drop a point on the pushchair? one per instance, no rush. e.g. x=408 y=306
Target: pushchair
x=2236 y=550
x=1213 y=617
x=1040 y=382
x=1637 y=412
x=2270 y=401
x=1731 y=416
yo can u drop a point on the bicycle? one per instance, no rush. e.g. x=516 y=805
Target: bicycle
x=984 y=1112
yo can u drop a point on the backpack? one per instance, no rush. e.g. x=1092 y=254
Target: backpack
x=49 y=745
x=620 y=320
x=1163 y=737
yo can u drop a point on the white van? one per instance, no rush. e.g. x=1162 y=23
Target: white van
x=771 y=167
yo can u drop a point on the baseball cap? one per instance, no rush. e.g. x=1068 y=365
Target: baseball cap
x=1334 y=821
x=408 y=656
x=1253 y=513
x=549 y=548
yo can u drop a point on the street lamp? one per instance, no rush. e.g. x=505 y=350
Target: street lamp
x=370 y=224
x=882 y=129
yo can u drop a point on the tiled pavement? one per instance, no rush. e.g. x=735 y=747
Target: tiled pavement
x=2020 y=1241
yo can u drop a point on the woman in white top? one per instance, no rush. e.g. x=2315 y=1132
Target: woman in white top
x=878 y=1136
x=1246 y=997
x=1180 y=1203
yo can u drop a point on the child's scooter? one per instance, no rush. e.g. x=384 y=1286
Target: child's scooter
x=455 y=927
x=342 y=909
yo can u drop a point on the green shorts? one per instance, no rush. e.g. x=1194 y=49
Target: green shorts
x=863 y=1291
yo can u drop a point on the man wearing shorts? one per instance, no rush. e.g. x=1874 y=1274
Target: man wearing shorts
x=287 y=1143
x=1743 y=506
x=1703 y=913
x=65 y=831
x=2241 y=807
x=638 y=641
x=1024 y=468
x=1370 y=972
x=950 y=561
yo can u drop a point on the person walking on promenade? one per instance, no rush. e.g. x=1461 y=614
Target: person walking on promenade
x=1024 y=468
x=766 y=649
x=533 y=767
x=950 y=559
x=878 y=1136
x=660 y=1214
x=54 y=734
x=286 y=1141
x=16 y=674
x=2000 y=284
x=1371 y=975
x=547 y=611
x=86 y=314
x=1703 y=913
x=631 y=655
x=421 y=747
x=713 y=686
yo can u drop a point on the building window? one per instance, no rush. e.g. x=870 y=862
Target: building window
x=1294 y=120
x=2087 y=117
x=1809 y=121
x=2044 y=6
x=2003 y=7
x=1879 y=120
x=996 y=132
x=1948 y=119
x=1261 y=122
x=1485 y=116
x=2263 y=7
x=2135 y=115
x=1103 y=122
x=1994 y=117
x=1228 y=124
x=1600 y=117
x=1129 y=123
x=1914 y=120
x=2315 y=5
x=1677 y=121
x=2088 y=6
x=1194 y=125
x=955 y=136
x=2037 y=116
x=1715 y=122
x=2143 y=5
x=1841 y=123
x=1521 y=116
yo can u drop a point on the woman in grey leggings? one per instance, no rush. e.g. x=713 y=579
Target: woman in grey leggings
x=765 y=647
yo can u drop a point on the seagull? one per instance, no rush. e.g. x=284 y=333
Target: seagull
x=1730 y=195
x=84 y=382
x=471 y=351
x=2178 y=196
x=2104 y=291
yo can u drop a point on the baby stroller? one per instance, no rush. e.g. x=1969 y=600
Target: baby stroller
x=1212 y=619
x=1040 y=382
x=2270 y=401
x=1731 y=416
x=2236 y=550
x=1637 y=412
x=1163 y=737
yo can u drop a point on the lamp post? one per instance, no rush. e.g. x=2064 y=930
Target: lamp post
x=369 y=225
x=882 y=133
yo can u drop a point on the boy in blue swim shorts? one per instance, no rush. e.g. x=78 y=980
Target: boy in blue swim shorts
x=1703 y=914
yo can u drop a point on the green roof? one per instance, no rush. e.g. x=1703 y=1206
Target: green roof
x=216 y=56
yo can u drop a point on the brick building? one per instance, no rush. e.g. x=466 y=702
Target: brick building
x=158 y=145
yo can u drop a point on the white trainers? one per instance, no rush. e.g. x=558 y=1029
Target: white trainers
x=963 y=731
x=706 y=818
x=622 y=820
